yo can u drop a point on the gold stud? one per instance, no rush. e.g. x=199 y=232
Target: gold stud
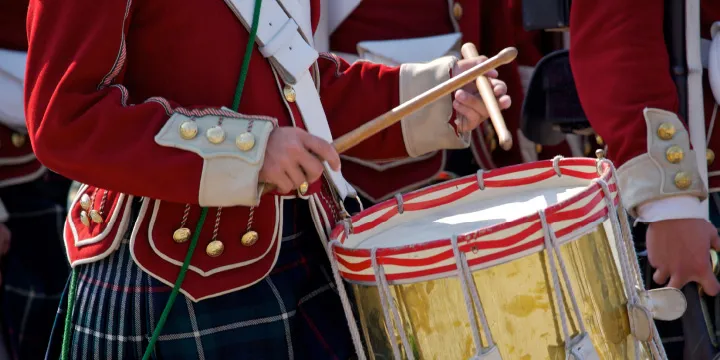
x=599 y=140
x=304 y=188
x=666 y=131
x=245 y=141
x=215 y=248
x=493 y=144
x=538 y=148
x=289 y=93
x=457 y=11
x=18 y=139
x=84 y=219
x=215 y=134
x=181 y=235
x=85 y=202
x=96 y=217
x=683 y=180
x=249 y=238
x=674 y=154
x=709 y=156
x=188 y=129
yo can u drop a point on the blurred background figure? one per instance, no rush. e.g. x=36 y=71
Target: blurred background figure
x=34 y=269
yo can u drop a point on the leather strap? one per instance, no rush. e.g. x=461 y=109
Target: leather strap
x=283 y=41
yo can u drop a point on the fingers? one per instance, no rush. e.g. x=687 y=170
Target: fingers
x=323 y=150
x=710 y=284
x=311 y=166
x=296 y=175
x=283 y=182
x=660 y=276
x=471 y=108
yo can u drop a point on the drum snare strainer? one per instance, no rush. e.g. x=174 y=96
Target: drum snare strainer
x=533 y=261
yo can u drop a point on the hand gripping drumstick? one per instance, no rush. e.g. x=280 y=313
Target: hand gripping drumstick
x=393 y=116
x=488 y=95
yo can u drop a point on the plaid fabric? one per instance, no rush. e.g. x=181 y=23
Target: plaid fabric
x=671 y=332
x=294 y=313
x=35 y=269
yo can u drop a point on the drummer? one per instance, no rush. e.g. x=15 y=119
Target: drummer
x=177 y=150
x=34 y=269
x=629 y=97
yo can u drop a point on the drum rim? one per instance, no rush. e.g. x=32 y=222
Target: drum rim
x=360 y=256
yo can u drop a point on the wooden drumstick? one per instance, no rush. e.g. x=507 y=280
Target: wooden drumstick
x=393 y=116
x=488 y=95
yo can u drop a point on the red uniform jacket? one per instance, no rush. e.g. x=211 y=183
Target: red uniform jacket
x=17 y=162
x=105 y=76
x=621 y=68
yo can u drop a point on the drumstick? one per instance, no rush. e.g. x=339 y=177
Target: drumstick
x=384 y=121
x=488 y=95
x=391 y=117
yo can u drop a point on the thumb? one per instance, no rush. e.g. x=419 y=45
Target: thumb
x=715 y=242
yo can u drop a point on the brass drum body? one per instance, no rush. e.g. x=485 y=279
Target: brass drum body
x=494 y=218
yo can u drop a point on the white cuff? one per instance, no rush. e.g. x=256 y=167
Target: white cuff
x=671 y=208
x=230 y=173
x=429 y=129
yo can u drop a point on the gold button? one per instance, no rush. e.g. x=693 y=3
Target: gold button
x=709 y=156
x=457 y=11
x=95 y=216
x=84 y=218
x=215 y=248
x=18 y=139
x=215 y=134
x=304 y=188
x=181 y=235
x=683 y=180
x=538 y=148
x=85 y=202
x=599 y=140
x=666 y=131
x=289 y=93
x=245 y=141
x=674 y=154
x=188 y=129
x=249 y=238
x=493 y=144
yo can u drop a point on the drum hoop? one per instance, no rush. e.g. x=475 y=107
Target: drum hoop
x=359 y=256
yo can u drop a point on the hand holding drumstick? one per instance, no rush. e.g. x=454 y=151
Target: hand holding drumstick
x=489 y=89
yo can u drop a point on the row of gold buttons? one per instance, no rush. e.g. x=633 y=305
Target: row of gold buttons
x=675 y=154
x=216 y=134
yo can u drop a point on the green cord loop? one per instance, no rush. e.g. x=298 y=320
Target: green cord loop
x=72 y=291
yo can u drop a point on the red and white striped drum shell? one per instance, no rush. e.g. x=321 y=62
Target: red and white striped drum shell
x=498 y=224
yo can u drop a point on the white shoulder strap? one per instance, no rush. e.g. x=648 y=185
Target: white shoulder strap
x=696 y=114
x=281 y=40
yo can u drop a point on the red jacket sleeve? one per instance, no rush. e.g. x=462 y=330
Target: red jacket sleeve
x=78 y=115
x=354 y=94
x=621 y=66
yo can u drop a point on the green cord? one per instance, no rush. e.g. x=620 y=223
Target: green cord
x=248 y=53
x=193 y=243
x=176 y=287
x=68 y=316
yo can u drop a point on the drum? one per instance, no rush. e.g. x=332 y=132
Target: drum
x=533 y=261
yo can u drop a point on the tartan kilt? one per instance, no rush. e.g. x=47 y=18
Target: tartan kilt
x=294 y=313
x=35 y=270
